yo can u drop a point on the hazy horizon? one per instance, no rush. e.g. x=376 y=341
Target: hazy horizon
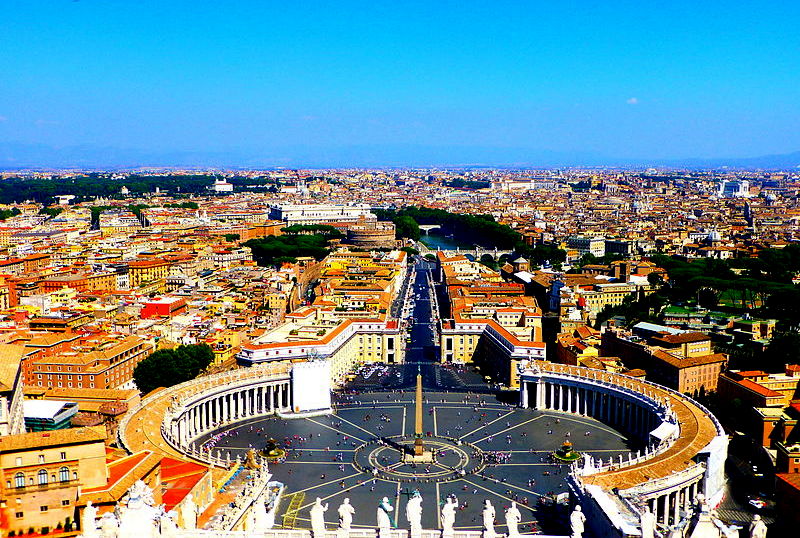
x=358 y=83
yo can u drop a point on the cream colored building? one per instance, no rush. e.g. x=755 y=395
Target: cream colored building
x=11 y=415
x=43 y=473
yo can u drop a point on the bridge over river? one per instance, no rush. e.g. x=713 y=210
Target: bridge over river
x=476 y=252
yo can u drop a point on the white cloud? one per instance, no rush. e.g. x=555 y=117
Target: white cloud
x=633 y=101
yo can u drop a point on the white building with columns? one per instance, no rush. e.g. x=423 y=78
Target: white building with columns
x=684 y=454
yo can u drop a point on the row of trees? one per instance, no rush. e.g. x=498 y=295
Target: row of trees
x=459 y=183
x=762 y=286
x=93 y=185
x=8 y=213
x=478 y=229
x=297 y=241
x=168 y=367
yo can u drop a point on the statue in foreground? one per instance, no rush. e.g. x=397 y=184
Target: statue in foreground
x=414 y=513
x=513 y=517
x=577 y=522
x=346 y=512
x=384 y=521
x=488 y=519
x=318 y=518
x=757 y=528
x=449 y=516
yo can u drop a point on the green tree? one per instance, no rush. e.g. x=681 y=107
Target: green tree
x=51 y=211
x=489 y=261
x=7 y=213
x=232 y=237
x=168 y=367
x=782 y=350
x=407 y=227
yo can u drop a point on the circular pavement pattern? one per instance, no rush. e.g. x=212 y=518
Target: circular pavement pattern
x=484 y=449
x=390 y=458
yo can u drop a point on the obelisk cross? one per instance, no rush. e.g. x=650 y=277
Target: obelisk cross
x=418 y=450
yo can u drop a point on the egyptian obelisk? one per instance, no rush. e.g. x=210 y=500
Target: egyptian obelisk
x=418 y=449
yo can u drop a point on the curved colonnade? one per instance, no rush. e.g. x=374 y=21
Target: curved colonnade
x=685 y=446
x=683 y=455
x=190 y=410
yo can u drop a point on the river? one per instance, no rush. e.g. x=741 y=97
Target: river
x=434 y=239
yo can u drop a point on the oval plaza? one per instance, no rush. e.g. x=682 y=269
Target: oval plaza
x=681 y=455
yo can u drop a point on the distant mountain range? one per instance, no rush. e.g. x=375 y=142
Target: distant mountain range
x=25 y=156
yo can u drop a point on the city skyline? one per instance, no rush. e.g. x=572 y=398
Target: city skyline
x=267 y=84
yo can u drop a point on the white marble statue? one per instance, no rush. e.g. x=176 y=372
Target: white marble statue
x=88 y=521
x=137 y=512
x=346 y=512
x=384 y=521
x=577 y=522
x=488 y=519
x=414 y=513
x=513 y=517
x=109 y=525
x=188 y=512
x=757 y=528
x=167 y=525
x=259 y=515
x=647 y=521
x=318 y=518
x=449 y=516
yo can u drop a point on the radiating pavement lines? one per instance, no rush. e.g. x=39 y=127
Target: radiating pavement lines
x=438 y=503
x=333 y=429
x=597 y=424
x=397 y=505
x=502 y=495
x=515 y=426
x=326 y=483
x=338 y=492
x=354 y=425
x=487 y=424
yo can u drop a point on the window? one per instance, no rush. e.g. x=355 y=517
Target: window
x=19 y=461
x=43 y=509
x=63 y=456
x=42 y=474
x=18 y=515
x=65 y=502
x=63 y=474
x=19 y=480
x=41 y=458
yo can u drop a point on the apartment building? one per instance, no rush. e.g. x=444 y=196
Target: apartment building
x=106 y=363
x=11 y=396
x=492 y=324
x=681 y=360
x=771 y=403
x=42 y=474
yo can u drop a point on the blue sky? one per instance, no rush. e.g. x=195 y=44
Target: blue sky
x=629 y=80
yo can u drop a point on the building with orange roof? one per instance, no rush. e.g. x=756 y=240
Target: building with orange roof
x=678 y=359
x=771 y=403
x=107 y=363
x=491 y=323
